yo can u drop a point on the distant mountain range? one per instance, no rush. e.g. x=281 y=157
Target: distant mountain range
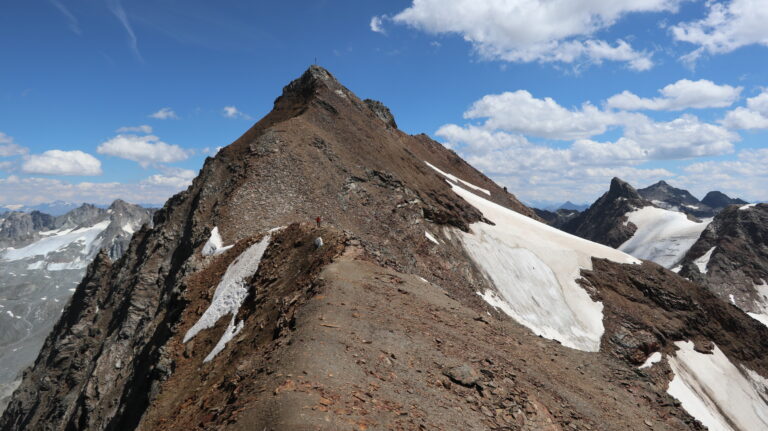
x=42 y=259
x=57 y=208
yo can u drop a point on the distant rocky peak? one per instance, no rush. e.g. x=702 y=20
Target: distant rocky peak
x=84 y=215
x=717 y=199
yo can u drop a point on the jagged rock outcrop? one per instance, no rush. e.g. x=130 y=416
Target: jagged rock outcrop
x=605 y=221
x=379 y=327
x=731 y=258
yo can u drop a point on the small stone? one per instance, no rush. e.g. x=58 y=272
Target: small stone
x=463 y=375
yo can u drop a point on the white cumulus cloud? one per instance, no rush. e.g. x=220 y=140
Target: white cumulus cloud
x=377 y=24
x=175 y=178
x=8 y=148
x=536 y=30
x=146 y=150
x=164 y=114
x=727 y=27
x=58 y=162
x=680 y=95
x=520 y=112
x=35 y=190
x=499 y=145
x=233 y=112
x=753 y=116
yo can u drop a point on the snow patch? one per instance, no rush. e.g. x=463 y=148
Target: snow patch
x=762 y=305
x=431 y=237
x=458 y=180
x=746 y=207
x=703 y=261
x=662 y=236
x=229 y=295
x=63 y=266
x=534 y=267
x=214 y=245
x=654 y=358
x=715 y=392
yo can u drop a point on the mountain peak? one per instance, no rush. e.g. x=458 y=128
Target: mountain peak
x=310 y=83
x=621 y=188
x=717 y=199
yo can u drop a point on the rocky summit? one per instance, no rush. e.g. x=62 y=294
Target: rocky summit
x=327 y=271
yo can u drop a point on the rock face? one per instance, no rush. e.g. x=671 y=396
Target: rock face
x=42 y=259
x=731 y=258
x=20 y=227
x=605 y=222
x=382 y=326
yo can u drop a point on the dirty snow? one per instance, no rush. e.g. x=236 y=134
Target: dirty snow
x=458 y=180
x=662 y=236
x=63 y=266
x=703 y=261
x=230 y=294
x=762 y=293
x=431 y=237
x=747 y=206
x=232 y=330
x=214 y=245
x=37 y=265
x=58 y=241
x=716 y=392
x=534 y=267
x=654 y=358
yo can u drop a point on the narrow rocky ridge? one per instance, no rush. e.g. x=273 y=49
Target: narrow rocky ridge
x=380 y=327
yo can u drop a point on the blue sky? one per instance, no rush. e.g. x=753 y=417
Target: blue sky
x=113 y=98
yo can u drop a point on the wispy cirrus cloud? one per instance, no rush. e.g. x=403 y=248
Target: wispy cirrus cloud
x=74 y=24
x=116 y=7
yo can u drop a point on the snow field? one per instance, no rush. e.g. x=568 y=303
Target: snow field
x=714 y=391
x=456 y=179
x=662 y=236
x=534 y=268
x=58 y=240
